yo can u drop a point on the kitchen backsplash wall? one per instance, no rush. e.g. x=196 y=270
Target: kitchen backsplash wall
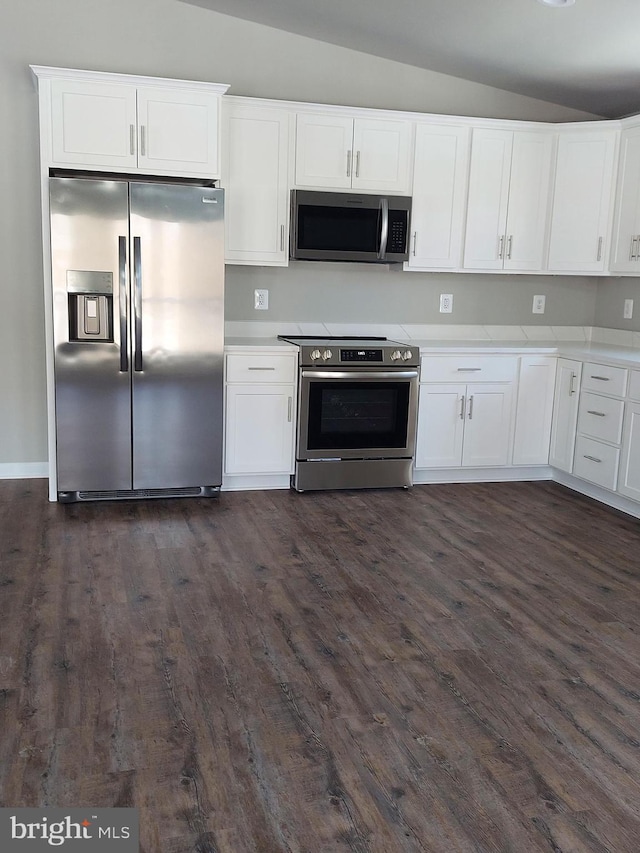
x=323 y=292
x=610 y=300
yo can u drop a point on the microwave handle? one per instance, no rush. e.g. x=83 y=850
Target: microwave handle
x=384 y=228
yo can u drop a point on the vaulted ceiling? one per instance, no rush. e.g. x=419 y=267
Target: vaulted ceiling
x=585 y=56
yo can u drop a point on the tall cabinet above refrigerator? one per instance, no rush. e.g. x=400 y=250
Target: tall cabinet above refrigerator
x=138 y=289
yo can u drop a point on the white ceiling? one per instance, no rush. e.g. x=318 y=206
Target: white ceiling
x=585 y=56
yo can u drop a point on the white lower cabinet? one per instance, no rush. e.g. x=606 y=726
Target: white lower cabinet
x=465 y=423
x=565 y=414
x=260 y=413
x=534 y=409
x=599 y=427
x=629 y=471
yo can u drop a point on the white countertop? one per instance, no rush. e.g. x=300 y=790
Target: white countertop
x=252 y=338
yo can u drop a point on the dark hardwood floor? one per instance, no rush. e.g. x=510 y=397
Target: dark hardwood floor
x=455 y=668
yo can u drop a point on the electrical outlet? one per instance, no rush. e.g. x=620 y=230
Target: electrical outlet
x=261 y=300
x=446 y=303
x=628 y=309
x=538 y=304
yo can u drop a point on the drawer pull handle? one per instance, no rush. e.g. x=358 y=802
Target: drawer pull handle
x=599 y=414
x=468 y=369
x=601 y=378
x=471 y=407
x=592 y=458
x=289 y=408
x=261 y=368
x=462 y=407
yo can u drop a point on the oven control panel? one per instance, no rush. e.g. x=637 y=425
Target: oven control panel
x=374 y=355
x=335 y=355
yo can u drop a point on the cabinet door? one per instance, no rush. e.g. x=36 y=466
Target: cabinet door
x=625 y=255
x=254 y=174
x=488 y=197
x=488 y=425
x=629 y=475
x=178 y=132
x=565 y=414
x=259 y=429
x=534 y=409
x=528 y=201
x=582 y=201
x=324 y=149
x=441 y=412
x=381 y=155
x=439 y=192
x=93 y=124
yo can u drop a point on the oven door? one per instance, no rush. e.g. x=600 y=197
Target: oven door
x=357 y=414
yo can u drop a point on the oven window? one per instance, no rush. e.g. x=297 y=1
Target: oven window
x=354 y=415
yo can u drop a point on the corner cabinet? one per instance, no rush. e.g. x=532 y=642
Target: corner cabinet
x=118 y=122
x=338 y=151
x=629 y=474
x=255 y=150
x=565 y=414
x=582 y=201
x=534 y=410
x=625 y=253
x=260 y=418
x=508 y=199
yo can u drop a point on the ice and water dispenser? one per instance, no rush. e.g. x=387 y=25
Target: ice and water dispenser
x=90 y=296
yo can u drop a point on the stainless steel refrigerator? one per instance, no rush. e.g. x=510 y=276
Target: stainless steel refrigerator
x=138 y=290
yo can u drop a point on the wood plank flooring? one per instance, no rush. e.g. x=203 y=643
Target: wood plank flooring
x=454 y=668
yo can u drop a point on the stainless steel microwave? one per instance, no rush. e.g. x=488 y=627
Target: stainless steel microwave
x=328 y=226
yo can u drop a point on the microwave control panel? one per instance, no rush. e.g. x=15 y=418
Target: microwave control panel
x=397 y=231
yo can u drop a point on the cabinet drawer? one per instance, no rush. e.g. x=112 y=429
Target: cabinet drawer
x=634 y=384
x=596 y=462
x=467 y=368
x=600 y=417
x=604 y=379
x=255 y=367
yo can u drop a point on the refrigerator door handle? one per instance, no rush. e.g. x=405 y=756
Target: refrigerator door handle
x=137 y=305
x=122 y=278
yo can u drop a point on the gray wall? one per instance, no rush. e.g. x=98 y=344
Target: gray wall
x=173 y=39
x=309 y=291
x=609 y=308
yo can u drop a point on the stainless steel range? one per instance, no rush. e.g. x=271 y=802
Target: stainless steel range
x=357 y=413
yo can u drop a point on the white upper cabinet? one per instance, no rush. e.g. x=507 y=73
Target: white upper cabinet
x=508 y=199
x=116 y=122
x=342 y=152
x=439 y=196
x=581 y=212
x=255 y=145
x=625 y=252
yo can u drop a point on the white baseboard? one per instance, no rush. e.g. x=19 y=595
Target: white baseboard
x=604 y=496
x=252 y=482
x=425 y=476
x=24 y=470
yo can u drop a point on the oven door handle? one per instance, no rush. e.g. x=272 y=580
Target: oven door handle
x=360 y=374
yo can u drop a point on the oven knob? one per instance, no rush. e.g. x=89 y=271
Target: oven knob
x=395 y=355
x=315 y=354
x=326 y=354
x=406 y=355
